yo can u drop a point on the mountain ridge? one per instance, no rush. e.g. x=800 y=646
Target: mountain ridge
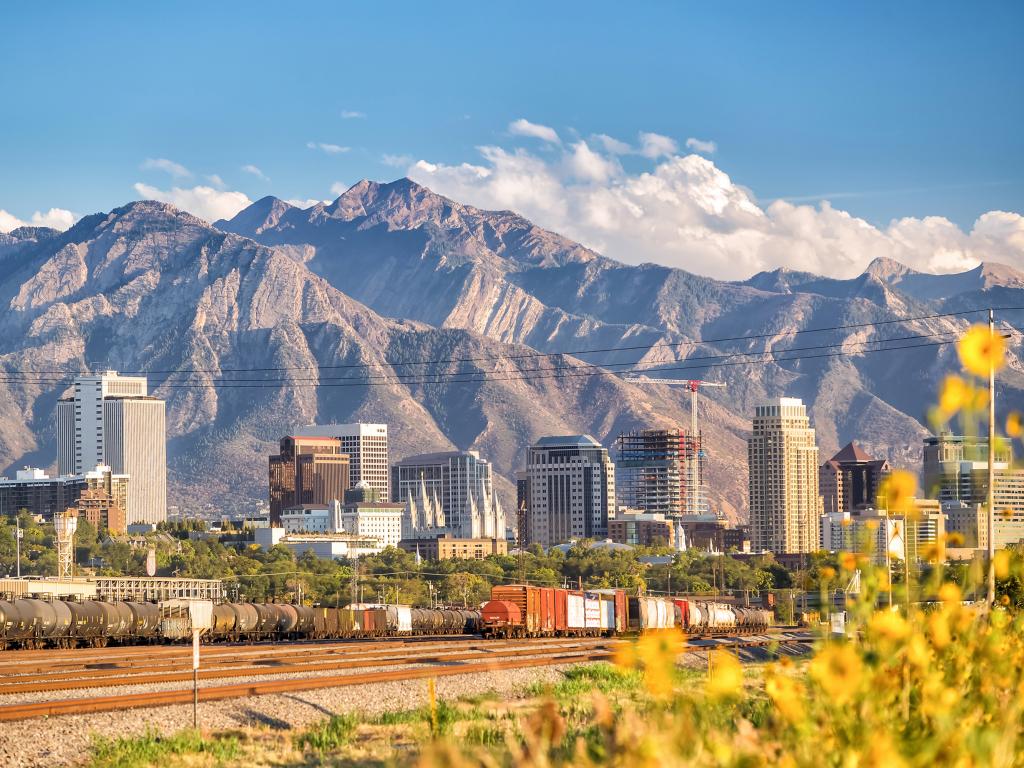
x=389 y=274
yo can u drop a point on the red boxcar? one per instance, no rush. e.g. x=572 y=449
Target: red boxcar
x=547 y=611
x=561 y=611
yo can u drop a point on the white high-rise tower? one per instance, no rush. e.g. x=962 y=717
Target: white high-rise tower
x=111 y=420
x=783 y=458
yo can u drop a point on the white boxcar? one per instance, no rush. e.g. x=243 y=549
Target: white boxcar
x=607 y=612
x=592 y=610
x=575 y=611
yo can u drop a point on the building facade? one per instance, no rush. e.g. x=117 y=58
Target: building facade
x=460 y=483
x=851 y=479
x=639 y=528
x=782 y=456
x=367 y=448
x=307 y=470
x=572 y=489
x=451 y=548
x=651 y=471
x=111 y=420
x=33 y=490
x=956 y=471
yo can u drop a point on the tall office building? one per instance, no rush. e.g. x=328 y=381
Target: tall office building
x=956 y=470
x=572 y=489
x=851 y=479
x=460 y=484
x=367 y=448
x=783 y=459
x=111 y=420
x=307 y=470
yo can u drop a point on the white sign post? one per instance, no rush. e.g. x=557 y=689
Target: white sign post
x=201 y=614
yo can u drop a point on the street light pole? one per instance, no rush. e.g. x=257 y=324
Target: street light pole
x=991 y=466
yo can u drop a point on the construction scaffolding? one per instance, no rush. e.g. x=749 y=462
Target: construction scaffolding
x=661 y=471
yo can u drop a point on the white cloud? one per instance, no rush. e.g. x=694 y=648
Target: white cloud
x=396 y=161
x=255 y=171
x=351 y=114
x=216 y=180
x=587 y=165
x=699 y=145
x=655 y=145
x=613 y=146
x=523 y=127
x=306 y=203
x=684 y=211
x=177 y=170
x=330 y=149
x=339 y=188
x=56 y=218
x=202 y=201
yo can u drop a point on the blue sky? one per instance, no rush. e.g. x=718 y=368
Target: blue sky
x=889 y=110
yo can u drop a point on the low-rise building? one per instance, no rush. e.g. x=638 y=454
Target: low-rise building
x=639 y=528
x=326 y=546
x=33 y=490
x=450 y=548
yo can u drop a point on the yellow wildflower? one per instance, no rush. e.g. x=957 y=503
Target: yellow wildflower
x=726 y=675
x=889 y=625
x=955 y=539
x=828 y=573
x=1002 y=564
x=938 y=630
x=787 y=695
x=955 y=394
x=848 y=561
x=838 y=670
x=950 y=594
x=981 y=350
x=1014 y=425
x=898 y=491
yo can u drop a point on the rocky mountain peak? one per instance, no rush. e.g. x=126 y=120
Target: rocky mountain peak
x=886 y=269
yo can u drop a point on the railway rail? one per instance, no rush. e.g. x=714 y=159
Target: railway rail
x=450 y=659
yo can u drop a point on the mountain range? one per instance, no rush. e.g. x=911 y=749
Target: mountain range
x=282 y=316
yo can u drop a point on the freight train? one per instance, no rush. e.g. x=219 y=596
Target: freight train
x=28 y=623
x=512 y=611
x=526 y=611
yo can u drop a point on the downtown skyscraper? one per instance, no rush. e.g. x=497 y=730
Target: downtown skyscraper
x=783 y=459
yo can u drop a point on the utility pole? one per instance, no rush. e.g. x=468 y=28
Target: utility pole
x=18 y=533
x=991 y=466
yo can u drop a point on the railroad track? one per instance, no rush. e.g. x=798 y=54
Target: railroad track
x=479 y=657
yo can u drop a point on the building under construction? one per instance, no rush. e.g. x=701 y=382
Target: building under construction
x=661 y=471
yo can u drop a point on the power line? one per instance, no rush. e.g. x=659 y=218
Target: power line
x=484 y=376
x=11 y=377
x=530 y=355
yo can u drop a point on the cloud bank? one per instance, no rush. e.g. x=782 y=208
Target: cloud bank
x=202 y=201
x=57 y=218
x=683 y=211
